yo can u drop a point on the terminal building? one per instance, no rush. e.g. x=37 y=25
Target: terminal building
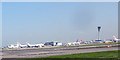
x=55 y=43
x=99 y=41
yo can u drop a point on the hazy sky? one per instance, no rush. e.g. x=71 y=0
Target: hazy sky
x=0 y=24
x=64 y=22
x=59 y=0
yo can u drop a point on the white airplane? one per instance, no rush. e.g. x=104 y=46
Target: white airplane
x=35 y=45
x=13 y=46
x=116 y=39
x=108 y=41
x=74 y=43
x=18 y=45
x=21 y=46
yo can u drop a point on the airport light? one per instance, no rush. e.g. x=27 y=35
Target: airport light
x=99 y=27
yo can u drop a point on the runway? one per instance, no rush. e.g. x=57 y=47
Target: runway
x=45 y=52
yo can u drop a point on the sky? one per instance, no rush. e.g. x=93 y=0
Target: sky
x=60 y=0
x=0 y=24
x=39 y=22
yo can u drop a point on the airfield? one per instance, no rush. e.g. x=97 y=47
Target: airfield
x=45 y=52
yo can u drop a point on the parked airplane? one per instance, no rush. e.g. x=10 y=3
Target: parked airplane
x=35 y=45
x=13 y=46
x=18 y=45
x=116 y=39
x=108 y=41
x=21 y=46
x=74 y=43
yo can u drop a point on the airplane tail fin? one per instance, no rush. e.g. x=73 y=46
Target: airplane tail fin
x=27 y=43
x=114 y=37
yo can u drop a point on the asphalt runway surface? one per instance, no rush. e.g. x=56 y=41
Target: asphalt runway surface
x=45 y=52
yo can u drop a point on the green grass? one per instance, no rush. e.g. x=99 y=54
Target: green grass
x=106 y=55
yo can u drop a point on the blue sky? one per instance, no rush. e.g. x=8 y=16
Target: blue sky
x=0 y=24
x=64 y=22
x=59 y=0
